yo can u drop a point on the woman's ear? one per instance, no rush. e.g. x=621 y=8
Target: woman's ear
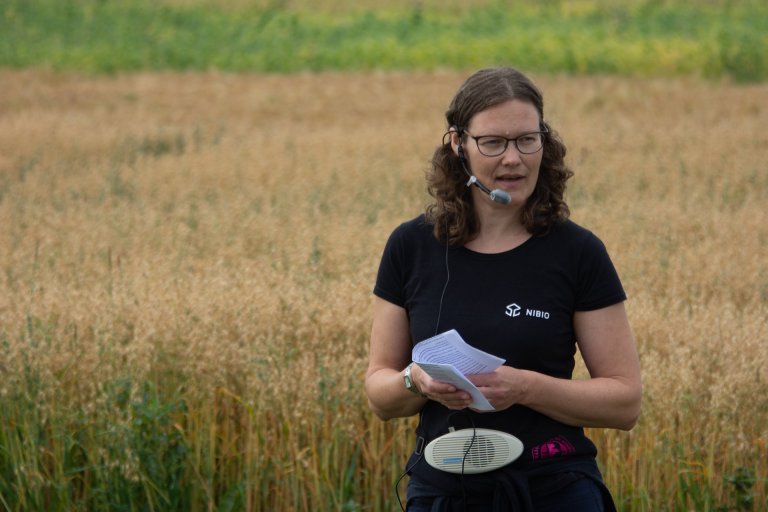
x=455 y=140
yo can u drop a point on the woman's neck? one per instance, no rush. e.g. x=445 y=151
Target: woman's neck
x=500 y=231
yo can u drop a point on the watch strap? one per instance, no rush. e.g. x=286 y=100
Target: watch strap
x=409 y=384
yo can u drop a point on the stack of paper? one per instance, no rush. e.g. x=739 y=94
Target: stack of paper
x=448 y=358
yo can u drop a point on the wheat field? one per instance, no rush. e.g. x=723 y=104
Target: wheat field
x=187 y=264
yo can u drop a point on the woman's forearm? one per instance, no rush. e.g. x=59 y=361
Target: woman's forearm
x=610 y=402
x=387 y=396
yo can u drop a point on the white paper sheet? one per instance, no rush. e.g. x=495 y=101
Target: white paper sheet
x=448 y=358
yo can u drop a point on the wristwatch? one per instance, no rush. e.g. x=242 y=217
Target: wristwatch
x=409 y=385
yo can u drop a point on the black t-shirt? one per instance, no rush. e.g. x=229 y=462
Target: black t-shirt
x=517 y=305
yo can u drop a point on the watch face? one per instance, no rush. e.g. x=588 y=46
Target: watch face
x=408 y=382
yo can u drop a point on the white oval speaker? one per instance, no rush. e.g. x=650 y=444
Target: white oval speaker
x=473 y=450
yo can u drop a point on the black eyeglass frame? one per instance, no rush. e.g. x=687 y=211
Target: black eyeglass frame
x=507 y=140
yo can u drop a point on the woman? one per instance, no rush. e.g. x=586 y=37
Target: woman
x=496 y=258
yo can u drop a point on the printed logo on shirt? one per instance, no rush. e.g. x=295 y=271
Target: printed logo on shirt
x=556 y=447
x=514 y=310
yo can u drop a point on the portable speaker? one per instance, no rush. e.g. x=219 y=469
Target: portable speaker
x=473 y=450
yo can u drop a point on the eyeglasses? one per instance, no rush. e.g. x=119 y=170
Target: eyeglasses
x=495 y=145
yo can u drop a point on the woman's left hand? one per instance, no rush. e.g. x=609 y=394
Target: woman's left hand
x=503 y=388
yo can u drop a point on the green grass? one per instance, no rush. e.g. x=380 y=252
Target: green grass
x=643 y=38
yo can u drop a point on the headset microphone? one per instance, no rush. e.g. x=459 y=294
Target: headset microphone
x=497 y=195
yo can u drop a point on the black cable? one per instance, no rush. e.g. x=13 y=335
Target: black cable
x=445 y=287
x=466 y=454
x=408 y=469
x=420 y=446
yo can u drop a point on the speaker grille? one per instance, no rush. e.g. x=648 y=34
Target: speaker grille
x=473 y=451
x=483 y=451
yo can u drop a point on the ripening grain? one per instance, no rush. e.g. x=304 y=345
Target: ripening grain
x=186 y=263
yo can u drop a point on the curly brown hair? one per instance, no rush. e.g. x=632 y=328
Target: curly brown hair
x=452 y=214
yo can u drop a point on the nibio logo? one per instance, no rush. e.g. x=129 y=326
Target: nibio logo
x=515 y=310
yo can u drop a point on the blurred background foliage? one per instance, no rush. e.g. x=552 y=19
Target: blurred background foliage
x=702 y=38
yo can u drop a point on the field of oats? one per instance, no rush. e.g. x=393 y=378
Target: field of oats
x=186 y=265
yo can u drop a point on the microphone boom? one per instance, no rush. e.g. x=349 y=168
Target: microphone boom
x=497 y=195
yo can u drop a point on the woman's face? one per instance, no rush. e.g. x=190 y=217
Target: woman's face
x=512 y=171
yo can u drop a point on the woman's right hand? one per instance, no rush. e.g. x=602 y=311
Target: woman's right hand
x=446 y=394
